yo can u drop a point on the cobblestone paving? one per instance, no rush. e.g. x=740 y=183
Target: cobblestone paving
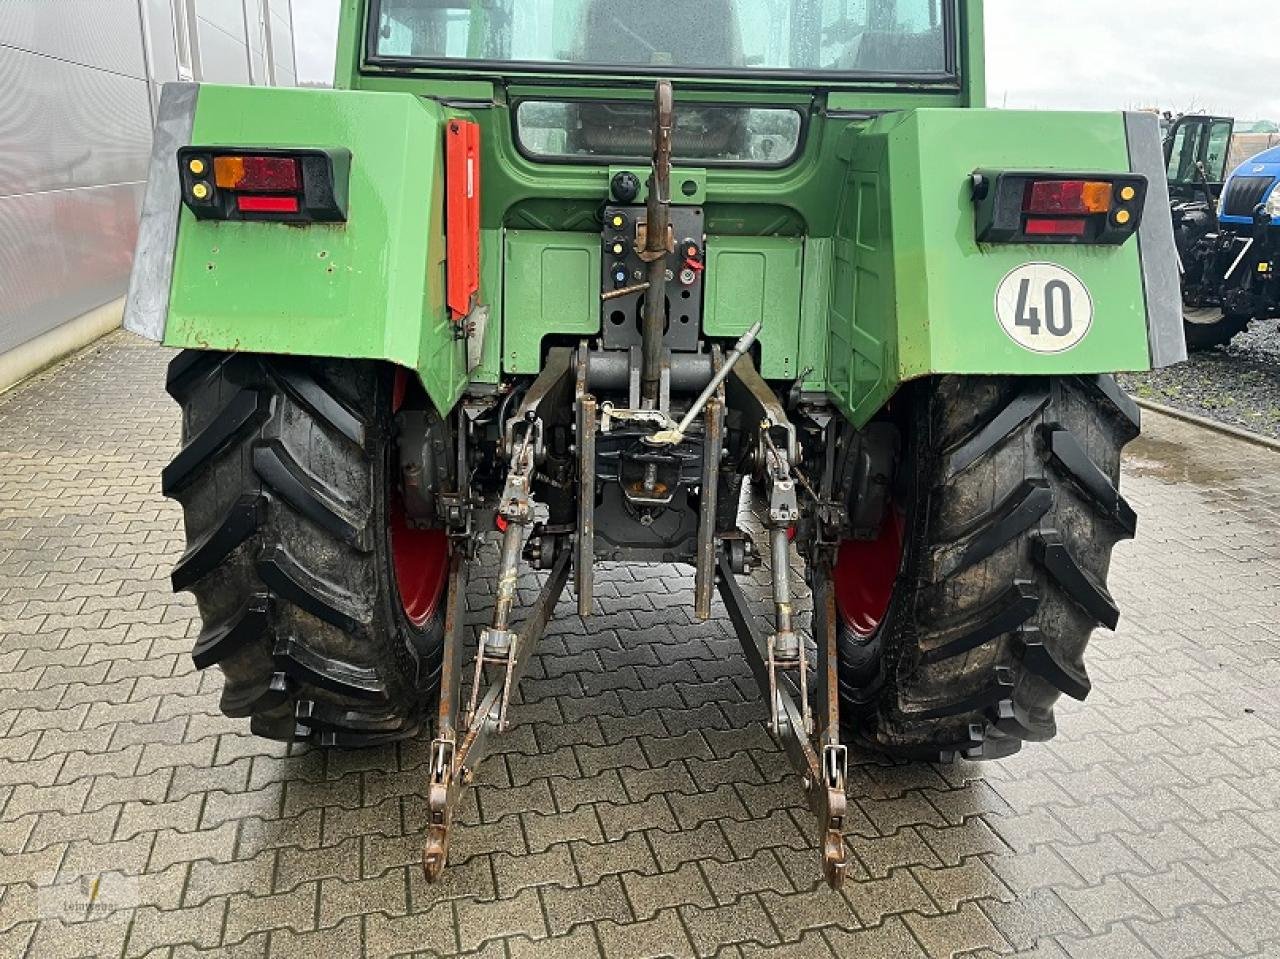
x=639 y=808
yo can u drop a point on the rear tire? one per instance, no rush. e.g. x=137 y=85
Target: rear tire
x=1012 y=508
x=1207 y=327
x=285 y=482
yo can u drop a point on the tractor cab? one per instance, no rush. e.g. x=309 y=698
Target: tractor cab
x=1197 y=149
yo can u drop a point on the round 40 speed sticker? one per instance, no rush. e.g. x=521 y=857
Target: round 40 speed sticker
x=1044 y=307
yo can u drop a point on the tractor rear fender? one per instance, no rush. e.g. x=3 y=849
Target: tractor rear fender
x=915 y=293
x=372 y=286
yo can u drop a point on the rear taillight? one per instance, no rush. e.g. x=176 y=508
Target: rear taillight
x=1012 y=207
x=288 y=185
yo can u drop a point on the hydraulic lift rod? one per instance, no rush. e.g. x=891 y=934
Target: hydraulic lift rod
x=657 y=226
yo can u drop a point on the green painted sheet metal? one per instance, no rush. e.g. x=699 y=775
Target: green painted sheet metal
x=756 y=278
x=346 y=63
x=370 y=288
x=862 y=326
x=913 y=293
x=552 y=285
x=815 y=305
x=520 y=194
x=973 y=53
x=490 y=368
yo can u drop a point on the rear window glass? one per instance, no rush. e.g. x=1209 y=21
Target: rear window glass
x=741 y=37
x=622 y=130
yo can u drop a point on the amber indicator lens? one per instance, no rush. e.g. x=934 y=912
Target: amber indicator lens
x=260 y=174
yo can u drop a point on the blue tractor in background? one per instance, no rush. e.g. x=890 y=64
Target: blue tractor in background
x=1227 y=230
x=1250 y=213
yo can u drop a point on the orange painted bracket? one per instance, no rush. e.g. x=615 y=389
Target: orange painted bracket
x=462 y=216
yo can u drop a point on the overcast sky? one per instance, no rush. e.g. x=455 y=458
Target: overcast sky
x=1221 y=56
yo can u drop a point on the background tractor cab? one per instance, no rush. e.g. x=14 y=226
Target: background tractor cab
x=1196 y=153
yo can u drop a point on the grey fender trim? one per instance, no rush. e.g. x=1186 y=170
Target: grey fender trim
x=147 y=305
x=1159 y=255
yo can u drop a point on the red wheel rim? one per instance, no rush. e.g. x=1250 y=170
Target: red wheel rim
x=420 y=556
x=865 y=573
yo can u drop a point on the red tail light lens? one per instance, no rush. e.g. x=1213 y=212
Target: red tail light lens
x=257 y=174
x=1068 y=197
x=1065 y=227
x=267 y=204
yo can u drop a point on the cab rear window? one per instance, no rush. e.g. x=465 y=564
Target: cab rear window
x=781 y=38
x=596 y=131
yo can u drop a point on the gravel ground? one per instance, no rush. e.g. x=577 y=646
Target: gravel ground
x=1238 y=384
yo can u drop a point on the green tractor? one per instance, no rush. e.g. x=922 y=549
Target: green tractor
x=588 y=277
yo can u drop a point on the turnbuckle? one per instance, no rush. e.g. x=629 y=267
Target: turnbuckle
x=497 y=642
x=785 y=650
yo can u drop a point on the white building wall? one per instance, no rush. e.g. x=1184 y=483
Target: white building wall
x=80 y=82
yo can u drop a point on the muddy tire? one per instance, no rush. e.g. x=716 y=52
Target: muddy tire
x=1011 y=508
x=284 y=479
x=1207 y=327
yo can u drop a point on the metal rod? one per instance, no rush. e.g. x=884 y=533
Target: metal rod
x=824 y=632
x=586 y=544
x=675 y=436
x=712 y=448
x=780 y=550
x=655 y=246
x=451 y=663
x=624 y=291
x=508 y=571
